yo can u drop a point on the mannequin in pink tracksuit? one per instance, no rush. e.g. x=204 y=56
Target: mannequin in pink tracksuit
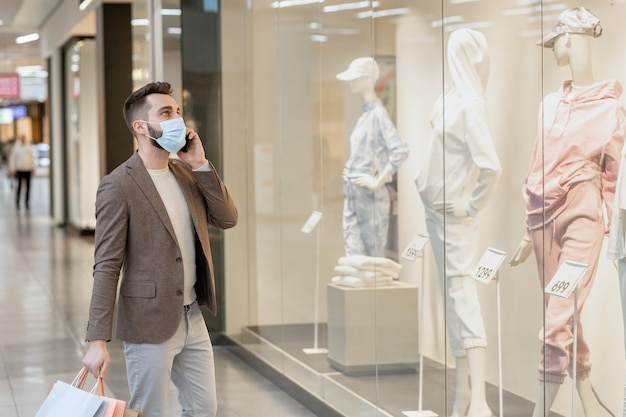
x=570 y=180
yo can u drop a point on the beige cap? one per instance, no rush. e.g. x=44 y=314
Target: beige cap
x=360 y=67
x=573 y=20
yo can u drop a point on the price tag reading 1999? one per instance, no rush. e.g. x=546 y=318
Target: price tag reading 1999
x=566 y=279
x=488 y=265
x=415 y=247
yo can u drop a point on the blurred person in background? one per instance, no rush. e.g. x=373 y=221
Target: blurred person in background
x=22 y=164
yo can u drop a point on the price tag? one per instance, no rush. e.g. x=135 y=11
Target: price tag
x=566 y=279
x=416 y=246
x=312 y=221
x=488 y=265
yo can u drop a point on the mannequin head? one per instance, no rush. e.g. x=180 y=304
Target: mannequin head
x=361 y=76
x=361 y=85
x=468 y=61
x=574 y=50
x=571 y=40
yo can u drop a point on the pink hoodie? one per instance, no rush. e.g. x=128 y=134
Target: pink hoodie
x=579 y=140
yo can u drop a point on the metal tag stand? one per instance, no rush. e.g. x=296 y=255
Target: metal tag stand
x=311 y=223
x=420 y=411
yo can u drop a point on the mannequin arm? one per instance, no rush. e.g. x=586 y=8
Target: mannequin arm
x=522 y=252
x=452 y=208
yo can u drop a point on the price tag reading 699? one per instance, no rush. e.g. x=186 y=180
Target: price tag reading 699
x=559 y=287
x=566 y=279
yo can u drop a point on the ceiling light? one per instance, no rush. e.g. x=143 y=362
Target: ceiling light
x=171 y=12
x=83 y=4
x=28 y=69
x=290 y=3
x=462 y=1
x=382 y=13
x=140 y=22
x=27 y=38
x=350 y=6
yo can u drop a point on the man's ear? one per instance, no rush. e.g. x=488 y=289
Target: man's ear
x=138 y=127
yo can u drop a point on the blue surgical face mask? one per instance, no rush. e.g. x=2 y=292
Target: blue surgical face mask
x=173 y=137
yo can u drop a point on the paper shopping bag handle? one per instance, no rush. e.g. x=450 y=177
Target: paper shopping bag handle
x=79 y=379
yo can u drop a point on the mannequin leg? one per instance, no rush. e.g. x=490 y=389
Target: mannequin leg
x=587 y=397
x=478 y=404
x=462 y=393
x=545 y=398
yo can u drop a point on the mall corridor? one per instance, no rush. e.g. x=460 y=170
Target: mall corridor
x=45 y=285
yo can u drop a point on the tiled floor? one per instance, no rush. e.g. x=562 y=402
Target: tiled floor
x=45 y=283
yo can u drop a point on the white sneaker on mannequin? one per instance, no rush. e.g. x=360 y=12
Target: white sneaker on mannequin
x=545 y=398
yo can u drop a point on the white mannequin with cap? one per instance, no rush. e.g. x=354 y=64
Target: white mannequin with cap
x=557 y=229
x=376 y=153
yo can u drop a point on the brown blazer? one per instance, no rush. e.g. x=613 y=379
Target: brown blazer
x=134 y=236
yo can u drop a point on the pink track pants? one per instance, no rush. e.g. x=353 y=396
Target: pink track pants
x=575 y=234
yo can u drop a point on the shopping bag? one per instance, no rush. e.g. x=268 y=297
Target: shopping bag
x=114 y=408
x=129 y=412
x=66 y=399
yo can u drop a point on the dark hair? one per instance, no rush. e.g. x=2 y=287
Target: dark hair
x=135 y=106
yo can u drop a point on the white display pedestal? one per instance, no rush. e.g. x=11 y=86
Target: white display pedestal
x=373 y=328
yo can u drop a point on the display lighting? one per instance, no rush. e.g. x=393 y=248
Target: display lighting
x=319 y=38
x=175 y=31
x=543 y=18
x=27 y=38
x=350 y=6
x=527 y=2
x=447 y=20
x=534 y=9
x=469 y=25
x=291 y=3
x=383 y=13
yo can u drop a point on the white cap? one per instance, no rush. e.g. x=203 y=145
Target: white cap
x=360 y=67
x=573 y=20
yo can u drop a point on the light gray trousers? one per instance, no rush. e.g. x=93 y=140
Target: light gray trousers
x=186 y=360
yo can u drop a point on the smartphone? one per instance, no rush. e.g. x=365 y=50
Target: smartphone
x=186 y=147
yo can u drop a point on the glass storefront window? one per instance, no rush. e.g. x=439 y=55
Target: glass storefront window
x=351 y=306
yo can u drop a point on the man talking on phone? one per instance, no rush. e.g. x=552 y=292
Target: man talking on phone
x=152 y=240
